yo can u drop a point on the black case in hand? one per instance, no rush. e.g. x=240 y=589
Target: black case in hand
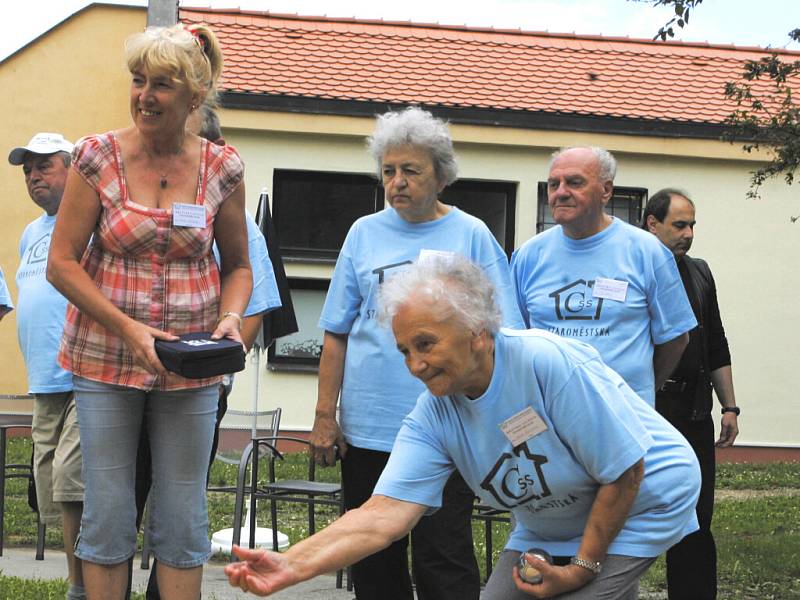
x=196 y=356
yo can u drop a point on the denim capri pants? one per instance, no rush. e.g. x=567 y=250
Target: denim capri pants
x=180 y=427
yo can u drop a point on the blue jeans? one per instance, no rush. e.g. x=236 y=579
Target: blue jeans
x=180 y=426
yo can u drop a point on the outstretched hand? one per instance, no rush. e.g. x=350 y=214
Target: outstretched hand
x=555 y=580
x=261 y=572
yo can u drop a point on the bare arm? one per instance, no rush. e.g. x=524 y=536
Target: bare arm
x=722 y=379
x=609 y=512
x=78 y=214
x=359 y=533
x=250 y=329
x=326 y=432
x=230 y=233
x=666 y=357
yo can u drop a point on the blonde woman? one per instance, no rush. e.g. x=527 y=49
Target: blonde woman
x=132 y=253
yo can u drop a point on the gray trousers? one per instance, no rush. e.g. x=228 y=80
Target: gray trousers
x=618 y=581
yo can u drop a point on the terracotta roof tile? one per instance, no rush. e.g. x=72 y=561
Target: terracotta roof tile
x=390 y=62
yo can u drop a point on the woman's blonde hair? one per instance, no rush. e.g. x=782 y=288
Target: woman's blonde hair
x=190 y=54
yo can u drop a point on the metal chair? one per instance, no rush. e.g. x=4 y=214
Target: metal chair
x=488 y=516
x=16 y=471
x=306 y=491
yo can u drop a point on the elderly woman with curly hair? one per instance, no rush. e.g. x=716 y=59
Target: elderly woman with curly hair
x=537 y=425
x=148 y=201
x=414 y=154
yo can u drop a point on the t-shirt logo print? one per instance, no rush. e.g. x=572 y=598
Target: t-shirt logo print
x=517 y=477
x=38 y=250
x=575 y=302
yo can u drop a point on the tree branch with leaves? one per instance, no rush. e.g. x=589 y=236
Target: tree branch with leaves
x=766 y=117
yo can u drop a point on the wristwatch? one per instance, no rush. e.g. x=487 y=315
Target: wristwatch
x=590 y=565
x=734 y=409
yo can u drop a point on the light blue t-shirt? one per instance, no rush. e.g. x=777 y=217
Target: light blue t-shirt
x=5 y=297
x=594 y=428
x=41 y=310
x=378 y=391
x=265 y=296
x=556 y=280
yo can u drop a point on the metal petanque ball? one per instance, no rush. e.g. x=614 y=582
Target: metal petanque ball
x=527 y=572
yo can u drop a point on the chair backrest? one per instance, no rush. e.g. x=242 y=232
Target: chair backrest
x=267 y=423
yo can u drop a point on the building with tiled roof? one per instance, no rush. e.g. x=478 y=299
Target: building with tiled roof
x=513 y=78
x=299 y=95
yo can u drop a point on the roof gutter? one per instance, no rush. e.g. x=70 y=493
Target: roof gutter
x=518 y=119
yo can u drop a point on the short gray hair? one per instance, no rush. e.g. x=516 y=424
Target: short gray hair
x=448 y=282
x=605 y=160
x=415 y=127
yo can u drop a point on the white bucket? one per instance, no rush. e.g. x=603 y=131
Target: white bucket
x=222 y=540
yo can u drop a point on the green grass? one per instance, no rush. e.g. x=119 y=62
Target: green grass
x=758 y=536
x=741 y=476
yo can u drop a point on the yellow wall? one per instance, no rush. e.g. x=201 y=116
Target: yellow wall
x=72 y=80
x=751 y=246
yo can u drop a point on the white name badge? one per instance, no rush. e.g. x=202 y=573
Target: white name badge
x=523 y=426
x=188 y=215
x=610 y=288
x=425 y=255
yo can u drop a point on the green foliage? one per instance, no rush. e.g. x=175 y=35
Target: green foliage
x=680 y=19
x=766 y=116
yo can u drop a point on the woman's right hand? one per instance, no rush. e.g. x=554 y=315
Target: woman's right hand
x=260 y=572
x=140 y=340
x=325 y=440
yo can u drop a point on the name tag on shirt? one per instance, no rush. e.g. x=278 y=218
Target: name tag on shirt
x=425 y=255
x=610 y=289
x=188 y=215
x=523 y=426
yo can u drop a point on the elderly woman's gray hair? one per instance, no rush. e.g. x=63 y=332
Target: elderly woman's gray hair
x=606 y=160
x=415 y=127
x=449 y=282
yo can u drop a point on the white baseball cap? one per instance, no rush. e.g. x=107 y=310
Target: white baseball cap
x=41 y=143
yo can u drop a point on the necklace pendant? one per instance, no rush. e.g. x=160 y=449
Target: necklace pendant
x=163 y=183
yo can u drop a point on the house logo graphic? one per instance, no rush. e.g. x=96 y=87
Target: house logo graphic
x=574 y=302
x=39 y=249
x=517 y=478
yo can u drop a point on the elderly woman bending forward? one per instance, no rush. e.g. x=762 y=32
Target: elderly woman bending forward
x=152 y=198
x=537 y=425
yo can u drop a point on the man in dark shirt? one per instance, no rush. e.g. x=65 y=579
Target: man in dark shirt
x=685 y=399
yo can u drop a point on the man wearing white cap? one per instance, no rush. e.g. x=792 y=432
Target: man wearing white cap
x=40 y=322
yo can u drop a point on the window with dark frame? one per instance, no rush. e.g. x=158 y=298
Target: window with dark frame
x=313 y=211
x=300 y=351
x=493 y=202
x=626 y=204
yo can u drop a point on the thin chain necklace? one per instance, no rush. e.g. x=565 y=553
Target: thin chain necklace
x=163 y=182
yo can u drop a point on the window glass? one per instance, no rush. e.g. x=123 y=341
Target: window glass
x=313 y=211
x=302 y=349
x=493 y=202
x=626 y=204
